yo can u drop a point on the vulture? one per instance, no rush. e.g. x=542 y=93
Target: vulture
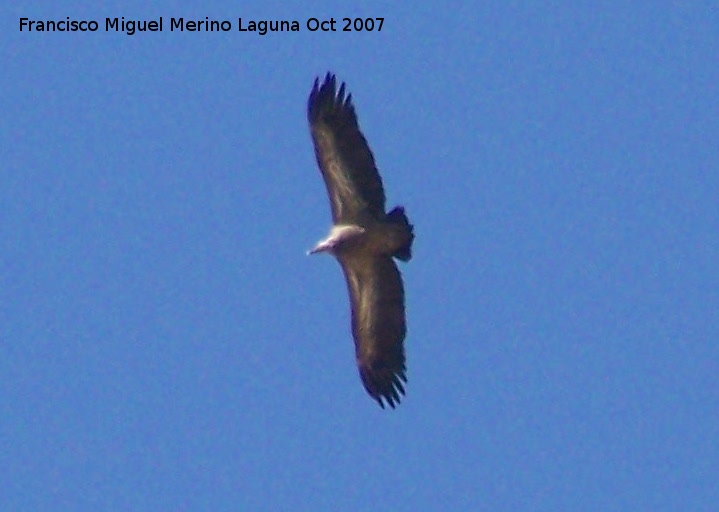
x=364 y=239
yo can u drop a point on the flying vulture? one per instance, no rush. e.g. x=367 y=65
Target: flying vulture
x=364 y=239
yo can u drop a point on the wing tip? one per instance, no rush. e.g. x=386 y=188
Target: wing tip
x=384 y=385
x=326 y=97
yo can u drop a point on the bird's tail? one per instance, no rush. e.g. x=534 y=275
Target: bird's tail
x=398 y=216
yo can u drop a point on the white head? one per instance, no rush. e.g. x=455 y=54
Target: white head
x=338 y=235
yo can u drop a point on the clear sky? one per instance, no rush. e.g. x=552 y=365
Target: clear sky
x=166 y=344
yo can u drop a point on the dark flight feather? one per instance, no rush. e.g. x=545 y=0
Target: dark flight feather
x=347 y=165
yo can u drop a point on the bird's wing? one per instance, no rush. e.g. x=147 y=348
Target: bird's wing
x=348 y=168
x=378 y=324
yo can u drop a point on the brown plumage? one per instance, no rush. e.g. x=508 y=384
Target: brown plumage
x=364 y=239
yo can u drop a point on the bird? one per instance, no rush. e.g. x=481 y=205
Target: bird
x=364 y=239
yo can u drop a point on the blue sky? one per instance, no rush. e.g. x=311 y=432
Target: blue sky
x=167 y=344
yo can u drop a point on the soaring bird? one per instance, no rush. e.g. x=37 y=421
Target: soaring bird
x=364 y=239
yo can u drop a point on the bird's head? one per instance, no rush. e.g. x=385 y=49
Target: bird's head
x=322 y=246
x=338 y=235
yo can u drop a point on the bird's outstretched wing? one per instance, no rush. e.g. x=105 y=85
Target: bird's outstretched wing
x=348 y=168
x=378 y=324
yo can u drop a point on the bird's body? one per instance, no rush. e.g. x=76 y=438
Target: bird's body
x=385 y=237
x=364 y=239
